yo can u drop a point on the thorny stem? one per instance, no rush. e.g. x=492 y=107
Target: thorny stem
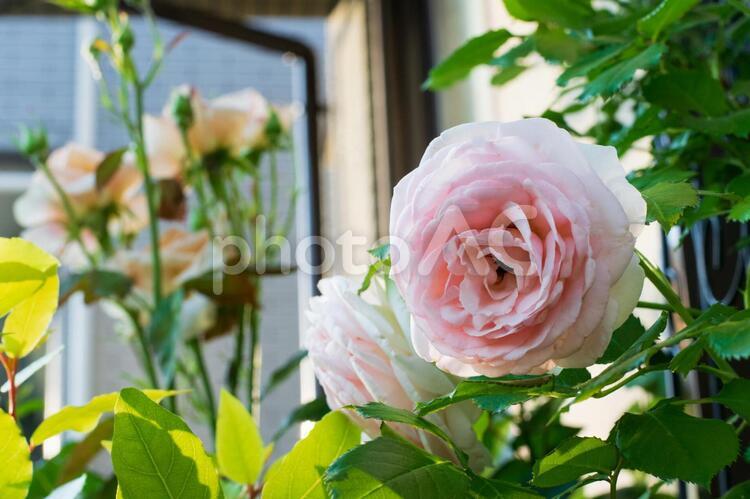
x=274 y=202
x=662 y=306
x=629 y=379
x=613 y=479
x=659 y=280
x=197 y=348
x=239 y=347
x=67 y=207
x=140 y=333
x=151 y=194
x=10 y=365
x=741 y=427
x=662 y=284
x=253 y=379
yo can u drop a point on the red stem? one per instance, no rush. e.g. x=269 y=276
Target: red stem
x=10 y=366
x=254 y=491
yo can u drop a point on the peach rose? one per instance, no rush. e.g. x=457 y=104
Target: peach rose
x=184 y=255
x=361 y=353
x=516 y=248
x=234 y=121
x=41 y=211
x=255 y=111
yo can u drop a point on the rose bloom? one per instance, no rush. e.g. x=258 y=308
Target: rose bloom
x=234 y=121
x=183 y=255
x=516 y=248
x=360 y=352
x=41 y=211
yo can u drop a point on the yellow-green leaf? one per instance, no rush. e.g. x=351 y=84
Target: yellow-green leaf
x=154 y=453
x=85 y=418
x=239 y=446
x=26 y=325
x=15 y=461
x=23 y=269
x=300 y=474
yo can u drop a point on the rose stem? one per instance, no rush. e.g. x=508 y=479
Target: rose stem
x=10 y=365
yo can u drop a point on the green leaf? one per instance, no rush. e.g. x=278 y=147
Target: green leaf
x=622 y=338
x=573 y=458
x=458 y=65
x=85 y=486
x=108 y=167
x=164 y=333
x=731 y=339
x=495 y=489
x=85 y=418
x=736 y=395
x=233 y=490
x=492 y=395
x=571 y=377
x=506 y=75
x=391 y=467
x=154 y=453
x=609 y=81
x=26 y=325
x=741 y=491
x=24 y=268
x=687 y=91
x=235 y=289
x=15 y=461
x=667 y=443
x=300 y=473
x=739 y=185
x=557 y=46
x=736 y=123
x=666 y=202
x=510 y=57
x=76 y=5
x=95 y=285
x=309 y=411
x=239 y=446
x=84 y=451
x=647 y=123
x=381 y=266
x=649 y=177
x=565 y=13
x=283 y=372
x=666 y=13
x=48 y=473
x=382 y=252
x=740 y=212
x=630 y=358
x=590 y=62
x=383 y=412
x=686 y=360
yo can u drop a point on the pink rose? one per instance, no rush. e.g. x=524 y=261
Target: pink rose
x=40 y=209
x=517 y=248
x=360 y=352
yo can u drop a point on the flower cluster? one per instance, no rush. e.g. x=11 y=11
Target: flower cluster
x=238 y=122
x=71 y=200
x=513 y=250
